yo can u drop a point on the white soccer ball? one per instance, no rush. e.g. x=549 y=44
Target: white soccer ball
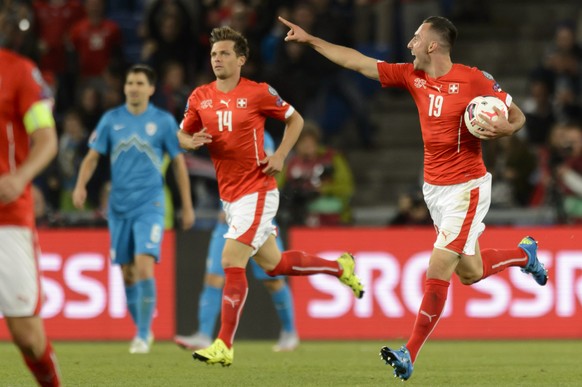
x=482 y=105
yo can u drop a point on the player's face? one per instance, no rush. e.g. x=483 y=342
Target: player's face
x=137 y=89
x=418 y=46
x=225 y=63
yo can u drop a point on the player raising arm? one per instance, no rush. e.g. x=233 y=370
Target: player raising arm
x=457 y=187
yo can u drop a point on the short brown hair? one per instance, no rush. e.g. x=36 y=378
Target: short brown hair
x=444 y=28
x=241 y=45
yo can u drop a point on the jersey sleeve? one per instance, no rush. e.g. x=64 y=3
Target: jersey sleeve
x=272 y=105
x=191 y=122
x=32 y=90
x=484 y=84
x=99 y=139
x=393 y=74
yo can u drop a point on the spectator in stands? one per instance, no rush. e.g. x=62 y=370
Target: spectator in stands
x=169 y=36
x=97 y=42
x=173 y=92
x=412 y=211
x=563 y=63
x=569 y=173
x=54 y=19
x=539 y=110
x=72 y=149
x=316 y=183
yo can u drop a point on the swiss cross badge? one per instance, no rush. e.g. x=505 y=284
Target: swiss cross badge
x=241 y=103
x=454 y=88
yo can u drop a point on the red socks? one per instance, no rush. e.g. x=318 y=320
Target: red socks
x=433 y=303
x=495 y=260
x=45 y=369
x=297 y=263
x=234 y=296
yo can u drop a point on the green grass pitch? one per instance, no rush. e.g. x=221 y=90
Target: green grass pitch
x=314 y=363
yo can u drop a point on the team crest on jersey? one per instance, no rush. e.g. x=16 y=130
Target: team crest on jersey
x=418 y=83
x=151 y=128
x=273 y=91
x=206 y=104
x=487 y=75
x=453 y=88
x=241 y=103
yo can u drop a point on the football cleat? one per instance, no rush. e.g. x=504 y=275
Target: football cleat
x=288 y=341
x=193 y=342
x=139 y=346
x=349 y=277
x=217 y=353
x=533 y=266
x=399 y=360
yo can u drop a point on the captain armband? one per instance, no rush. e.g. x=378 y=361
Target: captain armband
x=38 y=116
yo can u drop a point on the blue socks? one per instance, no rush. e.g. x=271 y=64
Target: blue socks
x=141 y=303
x=209 y=309
x=283 y=302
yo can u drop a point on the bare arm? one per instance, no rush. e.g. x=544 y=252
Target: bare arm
x=193 y=141
x=43 y=149
x=340 y=55
x=503 y=126
x=183 y=181
x=293 y=128
x=86 y=170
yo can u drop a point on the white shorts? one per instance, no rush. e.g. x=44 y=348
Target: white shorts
x=250 y=218
x=19 y=275
x=458 y=212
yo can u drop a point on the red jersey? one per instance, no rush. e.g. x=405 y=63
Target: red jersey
x=53 y=23
x=236 y=121
x=452 y=155
x=20 y=87
x=95 y=45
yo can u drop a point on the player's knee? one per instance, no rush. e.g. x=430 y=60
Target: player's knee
x=468 y=279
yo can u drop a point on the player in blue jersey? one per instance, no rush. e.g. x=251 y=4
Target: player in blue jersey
x=210 y=298
x=136 y=136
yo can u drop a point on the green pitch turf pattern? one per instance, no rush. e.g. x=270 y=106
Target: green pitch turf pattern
x=314 y=363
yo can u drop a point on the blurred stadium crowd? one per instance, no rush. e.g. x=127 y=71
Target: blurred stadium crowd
x=84 y=47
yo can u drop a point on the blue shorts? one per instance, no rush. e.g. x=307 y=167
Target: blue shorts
x=214 y=259
x=140 y=234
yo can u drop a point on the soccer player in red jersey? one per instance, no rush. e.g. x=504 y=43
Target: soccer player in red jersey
x=457 y=187
x=228 y=117
x=28 y=142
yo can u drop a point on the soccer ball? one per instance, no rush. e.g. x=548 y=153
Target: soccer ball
x=482 y=105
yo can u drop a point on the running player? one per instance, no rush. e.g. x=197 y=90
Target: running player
x=228 y=117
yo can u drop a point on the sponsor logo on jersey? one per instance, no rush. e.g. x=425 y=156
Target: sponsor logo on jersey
x=497 y=87
x=273 y=91
x=225 y=102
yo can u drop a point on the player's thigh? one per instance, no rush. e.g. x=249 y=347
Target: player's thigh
x=122 y=244
x=235 y=254
x=269 y=255
x=442 y=264
x=250 y=218
x=458 y=212
x=148 y=234
x=19 y=276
